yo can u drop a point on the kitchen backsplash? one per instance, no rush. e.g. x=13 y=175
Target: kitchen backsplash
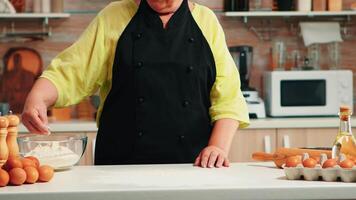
x=66 y=31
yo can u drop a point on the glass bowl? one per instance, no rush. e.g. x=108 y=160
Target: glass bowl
x=59 y=151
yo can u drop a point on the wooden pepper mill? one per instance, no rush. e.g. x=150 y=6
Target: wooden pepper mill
x=11 y=139
x=4 y=151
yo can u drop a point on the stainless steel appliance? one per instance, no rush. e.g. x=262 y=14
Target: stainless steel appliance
x=243 y=58
x=307 y=93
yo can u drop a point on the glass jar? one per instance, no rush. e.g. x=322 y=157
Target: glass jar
x=319 y=5
x=314 y=56
x=243 y=5
x=278 y=55
x=334 y=55
x=19 y=5
x=335 y=5
x=57 y=6
x=285 y=5
x=304 y=5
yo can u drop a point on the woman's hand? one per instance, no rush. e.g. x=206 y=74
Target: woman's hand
x=34 y=115
x=212 y=156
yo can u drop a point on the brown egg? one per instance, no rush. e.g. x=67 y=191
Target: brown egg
x=309 y=163
x=293 y=161
x=4 y=178
x=347 y=164
x=17 y=176
x=26 y=162
x=13 y=162
x=32 y=175
x=46 y=173
x=35 y=160
x=317 y=159
x=329 y=163
x=353 y=159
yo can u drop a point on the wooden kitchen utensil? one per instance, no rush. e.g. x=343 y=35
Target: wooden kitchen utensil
x=22 y=67
x=11 y=138
x=279 y=157
x=4 y=151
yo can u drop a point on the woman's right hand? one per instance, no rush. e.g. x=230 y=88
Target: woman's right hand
x=34 y=115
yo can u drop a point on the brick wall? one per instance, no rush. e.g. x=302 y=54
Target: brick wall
x=66 y=31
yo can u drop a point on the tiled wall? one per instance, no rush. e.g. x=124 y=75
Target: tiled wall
x=66 y=31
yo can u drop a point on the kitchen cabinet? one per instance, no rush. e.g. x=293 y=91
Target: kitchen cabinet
x=248 y=141
x=310 y=137
x=88 y=156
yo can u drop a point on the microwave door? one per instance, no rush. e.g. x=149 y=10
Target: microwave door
x=304 y=97
x=297 y=93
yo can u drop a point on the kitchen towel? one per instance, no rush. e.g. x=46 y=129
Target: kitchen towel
x=320 y=32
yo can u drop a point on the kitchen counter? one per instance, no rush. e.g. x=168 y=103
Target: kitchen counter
x=240 y=181
x=312 y=122
x=268 y=123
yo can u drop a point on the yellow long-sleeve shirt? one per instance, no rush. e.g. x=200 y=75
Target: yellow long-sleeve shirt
x=86 y=66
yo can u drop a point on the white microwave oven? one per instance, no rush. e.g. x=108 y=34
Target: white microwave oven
x=307 y=93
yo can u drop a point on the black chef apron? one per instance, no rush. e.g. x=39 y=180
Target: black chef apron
x=157 y=110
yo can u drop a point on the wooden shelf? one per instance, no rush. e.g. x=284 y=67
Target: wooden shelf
x=289 y=13
x=35 y=16
x=286 y=14
x=45 y=17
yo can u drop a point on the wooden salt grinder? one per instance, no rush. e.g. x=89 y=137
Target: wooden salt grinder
x=11 y=139
x=4 y=151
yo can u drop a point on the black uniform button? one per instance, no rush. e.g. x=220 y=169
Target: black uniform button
x=190 y=69
x=186 y=103
x=138 y=36
x=140 y=133
x=141 y=100
x=139 y=65
x=191 y=40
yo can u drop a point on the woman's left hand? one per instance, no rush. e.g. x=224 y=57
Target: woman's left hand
x=212 y=156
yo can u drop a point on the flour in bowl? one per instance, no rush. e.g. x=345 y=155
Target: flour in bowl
x=54 y=155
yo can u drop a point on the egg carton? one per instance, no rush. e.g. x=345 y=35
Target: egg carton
x=318 y=173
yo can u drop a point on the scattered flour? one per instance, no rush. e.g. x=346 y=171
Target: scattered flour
x=54 y=155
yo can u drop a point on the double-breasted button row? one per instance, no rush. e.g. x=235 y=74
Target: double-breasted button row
x=190 y=69
x=141 y=133
x=139 y=65
x=138 y=36
x=191 y=40
x=186 y=103
x=140 y=100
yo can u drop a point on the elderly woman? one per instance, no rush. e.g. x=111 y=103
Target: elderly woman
x=170 y=91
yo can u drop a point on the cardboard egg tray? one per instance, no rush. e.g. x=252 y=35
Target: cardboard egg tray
x=320 y=174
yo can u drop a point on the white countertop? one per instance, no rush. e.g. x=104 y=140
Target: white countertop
x=268 y=123
x=240 y=181
x=312 y=122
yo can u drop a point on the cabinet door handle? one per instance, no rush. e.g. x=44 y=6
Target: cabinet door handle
x=93 y=149
x=286 y=141
x=268 y=145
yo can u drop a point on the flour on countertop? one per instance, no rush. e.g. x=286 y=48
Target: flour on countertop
x=54 y=155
